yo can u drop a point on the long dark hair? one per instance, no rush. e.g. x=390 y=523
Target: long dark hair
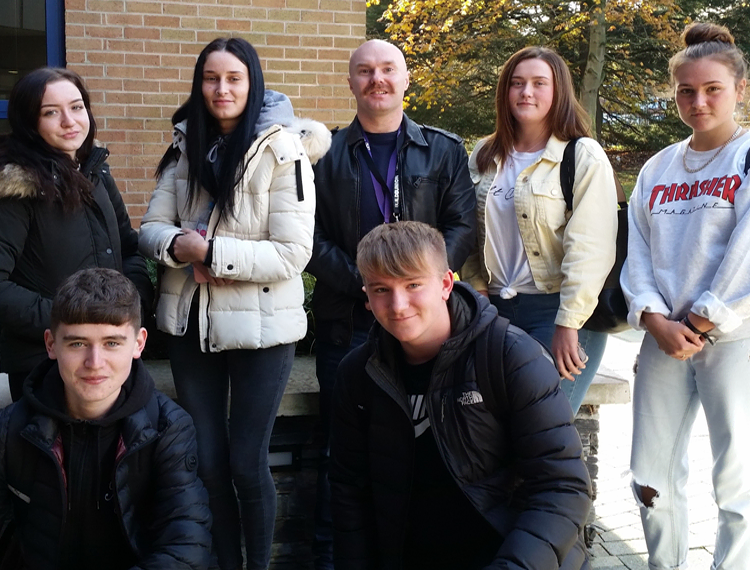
x=202 y=127
x=54 y=173
x=566 y=118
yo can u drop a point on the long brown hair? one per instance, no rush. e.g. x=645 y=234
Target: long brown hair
x=566 y=118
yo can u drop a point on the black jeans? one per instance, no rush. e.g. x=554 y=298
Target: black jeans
x=328 y=356
x=233 y=456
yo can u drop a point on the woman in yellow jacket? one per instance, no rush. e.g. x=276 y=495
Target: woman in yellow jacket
x=542 y=265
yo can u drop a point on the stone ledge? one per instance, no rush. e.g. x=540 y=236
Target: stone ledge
x=301 y=395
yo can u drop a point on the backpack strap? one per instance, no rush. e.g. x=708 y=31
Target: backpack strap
x=488 y=361
x=568 y=176
x=568 y=172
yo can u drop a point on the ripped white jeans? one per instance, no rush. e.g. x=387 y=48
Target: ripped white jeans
x=666 y=398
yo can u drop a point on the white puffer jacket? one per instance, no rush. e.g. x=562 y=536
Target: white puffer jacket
x=263 y=247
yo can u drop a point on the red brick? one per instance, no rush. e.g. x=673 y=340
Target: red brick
x=130 y=45
x=142 y=33
x=144 y=7
x=72 y=17
x=105 y=6
x=104 y=57
x=283 y=40
x=181 y=9
x=123 y=19
x=145 y=60
x=123 y=98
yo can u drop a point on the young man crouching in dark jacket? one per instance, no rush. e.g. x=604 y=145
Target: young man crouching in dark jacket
x=452 y=444
x=97 y=468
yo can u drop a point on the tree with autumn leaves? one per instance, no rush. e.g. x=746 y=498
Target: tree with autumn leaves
x=617 y=50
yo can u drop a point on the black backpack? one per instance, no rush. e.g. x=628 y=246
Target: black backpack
x=611 y=313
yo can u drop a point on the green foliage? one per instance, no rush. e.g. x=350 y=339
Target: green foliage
x=455 y=49
x=307 y=344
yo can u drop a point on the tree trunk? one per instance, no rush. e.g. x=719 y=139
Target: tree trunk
x=593 y=74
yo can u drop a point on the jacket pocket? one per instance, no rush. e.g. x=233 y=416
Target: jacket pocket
x=549 y=204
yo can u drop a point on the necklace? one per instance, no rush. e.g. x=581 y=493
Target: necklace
x=710 y=160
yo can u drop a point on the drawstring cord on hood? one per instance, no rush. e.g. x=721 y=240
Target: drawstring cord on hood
x=213 y=153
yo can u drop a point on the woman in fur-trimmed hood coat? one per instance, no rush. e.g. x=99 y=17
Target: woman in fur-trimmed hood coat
x=231 y=223
x=41 y=245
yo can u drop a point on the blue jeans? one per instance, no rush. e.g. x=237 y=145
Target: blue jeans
x=233 y=455
x=666 y=399
x=536 y=314
x=327 y=359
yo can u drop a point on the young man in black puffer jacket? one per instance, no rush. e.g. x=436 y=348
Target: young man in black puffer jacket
x=97 y=468
x=452 y=443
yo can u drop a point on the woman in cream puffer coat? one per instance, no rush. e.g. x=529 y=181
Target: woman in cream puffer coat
x=231 y=222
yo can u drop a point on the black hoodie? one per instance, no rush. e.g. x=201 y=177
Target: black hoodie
x=92 y=534
x=116 y=493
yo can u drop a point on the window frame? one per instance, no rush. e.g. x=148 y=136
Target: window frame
x=55 y=26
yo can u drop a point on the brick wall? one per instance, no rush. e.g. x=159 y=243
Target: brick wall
x=137 y=58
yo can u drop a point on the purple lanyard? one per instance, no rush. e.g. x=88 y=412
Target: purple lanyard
x=382 y=188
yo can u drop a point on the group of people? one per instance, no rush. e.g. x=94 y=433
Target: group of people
x=448 y=406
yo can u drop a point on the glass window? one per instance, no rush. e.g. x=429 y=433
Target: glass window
x=31 y=35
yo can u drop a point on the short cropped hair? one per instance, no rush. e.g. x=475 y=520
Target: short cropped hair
x=96 y=296
x=402 y=249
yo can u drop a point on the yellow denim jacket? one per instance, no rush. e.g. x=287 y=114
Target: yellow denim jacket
x=570 y=252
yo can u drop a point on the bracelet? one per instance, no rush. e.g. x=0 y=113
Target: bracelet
x=704 y=335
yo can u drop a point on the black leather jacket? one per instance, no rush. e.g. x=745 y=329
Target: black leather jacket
x=525 y=475
x=436 y=189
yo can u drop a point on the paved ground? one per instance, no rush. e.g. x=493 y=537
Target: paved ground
x=620 y=544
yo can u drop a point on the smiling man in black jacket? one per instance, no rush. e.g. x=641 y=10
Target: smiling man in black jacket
x=97 y=468
x=381 y=168
x=452 y=445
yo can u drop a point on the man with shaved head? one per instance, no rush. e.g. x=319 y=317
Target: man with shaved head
x=382 y=168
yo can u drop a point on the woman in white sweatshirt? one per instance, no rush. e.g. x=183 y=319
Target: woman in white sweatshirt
x=542 y=264
x=231 y=220
x=687 y=281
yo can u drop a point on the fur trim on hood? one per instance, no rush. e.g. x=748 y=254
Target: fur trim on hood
x=15 y=182
x=315 y=136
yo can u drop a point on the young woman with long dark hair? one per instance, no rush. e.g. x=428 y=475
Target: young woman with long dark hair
x=60 y=211
x=231 y=220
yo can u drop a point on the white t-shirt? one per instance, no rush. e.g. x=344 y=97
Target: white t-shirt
x=506 y=258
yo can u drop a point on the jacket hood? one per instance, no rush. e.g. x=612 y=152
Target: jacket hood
x=470 y=313
x=17 y=182
x=277 y=112
x=45 y=392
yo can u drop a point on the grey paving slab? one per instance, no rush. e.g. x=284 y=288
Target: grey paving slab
x=608 y=563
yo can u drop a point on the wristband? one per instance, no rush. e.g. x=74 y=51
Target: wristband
x=703 y=335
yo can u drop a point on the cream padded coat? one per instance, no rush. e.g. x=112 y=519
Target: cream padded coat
x=263 y=247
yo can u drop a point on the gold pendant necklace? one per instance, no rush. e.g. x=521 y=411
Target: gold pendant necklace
x=710 y=160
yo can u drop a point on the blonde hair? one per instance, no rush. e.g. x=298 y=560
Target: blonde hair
x=712 y=41
x=402 y=249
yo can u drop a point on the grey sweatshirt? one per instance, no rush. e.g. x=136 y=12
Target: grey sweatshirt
x=689 y=239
